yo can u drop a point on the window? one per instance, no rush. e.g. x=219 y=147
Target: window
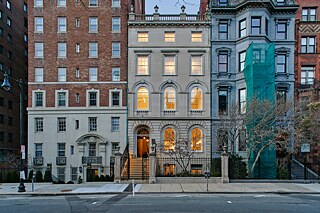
x=242 y=28
x=259 y=56
x=116 y=49
x=223 y=30
x=38 y=123
x=116 y=24
x=62 y=125
x=77 y=22
x=9 y=55
x=281 y=95
x=222 y=139
x=169 y=65
x=38 y=24
x=92 y=98
x=93 y=74
x=115 y=3
x=62 y=3
x=115 y=73
x=62 y=99
x=308 y=45
x=77 y=124
x=169 y=138
x=62 y=50
x=196 y=36
x=281 y=30
x=93 y=24
x=1 y=119
x=223 y=2
x=1 y=136
x=307 y=75
x=1 y=31
x=38 y=150
x=72 y=150
x=8 y=5
x=9 y=22
x=77 y=48
x=38 y=99
x=38 y=50
x=242 y=60
x=223 y=102
x=242 y=101
x=25 y=7
x=142 y=99
x=38 y=3
x=61 y=149
x=143 y=36
x=61 y=173
x=114 y=147
x=309 y=14
x=92 y=124
x=169 y=36
x=196 y=98
x=74 y=174
x=10 y=103
x=280 y=2
x=115 y=98
x=242 y=140
x=93 y=49
x=169 y=98
x=10 y=121
x=9 y=38
x=143 y=65
x=62 y=24
x=92 y=149
x=25 y=38
x=77 y=73
x=267 y=27
x=93 y=3
x=196 y=65
x=281 y=63
x=255 y=25
x=0 y=14
x=62 y=74
x=196 y=139
x=223 y=62
x=115 y=124
x=77 y=98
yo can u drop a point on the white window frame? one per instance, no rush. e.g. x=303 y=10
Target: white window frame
x=66 y=98
x=62 y=74
x=116 y=49
x=34 y=92
x=116 y=24
x=62 y=50
x=38 y=50
x=93 y=50
x=145 y=65
x=93 y=73
x=38 y=24
x=62 y=24
x=61 y=3
x=192 y=64
x=307 y=70
x=110 y=97
x=167 y=64
x=93 y=24
x=115 y=76
x=38 y=3
x=115 y=124
x=38 y=74
x=97 y=98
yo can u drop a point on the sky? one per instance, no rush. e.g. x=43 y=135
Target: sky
x=172 y=6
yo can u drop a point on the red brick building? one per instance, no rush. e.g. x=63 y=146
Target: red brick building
x=13 y=61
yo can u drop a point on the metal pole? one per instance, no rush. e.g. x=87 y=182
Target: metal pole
x=305 y=168
x=207 y=184
x=133 y=187
x=21 y=187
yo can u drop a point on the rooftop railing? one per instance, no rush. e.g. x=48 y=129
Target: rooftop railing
x=233 y=3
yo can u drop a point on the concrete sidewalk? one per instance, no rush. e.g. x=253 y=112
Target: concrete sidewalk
x=102 y=187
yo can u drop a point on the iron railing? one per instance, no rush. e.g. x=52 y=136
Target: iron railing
x=38 y=161
x=169 y=17
x=61 y=160
x=233 y=3
x=92 y=160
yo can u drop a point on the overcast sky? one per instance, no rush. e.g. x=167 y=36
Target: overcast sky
x=172 y=6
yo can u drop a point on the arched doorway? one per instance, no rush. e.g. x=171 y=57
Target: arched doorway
x=143 y=142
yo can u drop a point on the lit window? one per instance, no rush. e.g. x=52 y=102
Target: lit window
x=115 y=96
x=61 y=149
x=143 y=37
x=223 y=102
x=169 y=36
x=62 y=127
x=38 y=24
x=61 y=99
x=143 y=65
x=196 y=98
x=62 y=74
x=92 y=98
x=92 y=124
x=93 y=3
x=38 y=3
x=62 y=24
x=93 y=74
x=93 y=24
x=196 y=139
x=38 y=99
x=62 y=50
x=116 y=49
x=196 y=36
x=242 y=101
x=62 y=3
x=169 y=139
x=116 y=24
x=242 y=28
x=38 y=74
x=308 y=45
x=116 y=74
x=38 y=124
x=143 y=99
x=196 y=65
x=281 y=60
x=38 y=48
x=223 y=30
x=93 y=49
x=115 y=3
x=309 y=14
x=281 y=30
x=169 y=65
x=307 y=75
x=255 y=25
x=169 y=98
x=242 y=60
x=115 y=124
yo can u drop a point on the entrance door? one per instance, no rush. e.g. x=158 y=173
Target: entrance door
x=91 y=173
x=143 y=143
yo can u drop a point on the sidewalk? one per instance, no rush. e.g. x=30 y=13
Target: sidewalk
x=102 y=187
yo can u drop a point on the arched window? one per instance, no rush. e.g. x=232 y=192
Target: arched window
x=169 y=138
x=196 y=139
x=169 y=97
x=143 y=99
x=196 y=98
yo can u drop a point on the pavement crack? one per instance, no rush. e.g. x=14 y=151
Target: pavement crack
x=106 y=206
x=76 y=205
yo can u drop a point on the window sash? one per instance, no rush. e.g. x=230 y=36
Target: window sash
x=62 y=74
x=223 y=31
x=115 y=124
x=281 y=31
x=62 y=50
x=92 y=98
x=281 y=63
x=38 y=124
x=169 y=65
x=255 y=26
x=61 y=99
x=38 y=150
x=143 y=36
x=38 y=24
x=62 y=124
x=169 y=36
x=62 y=24
x=196 y=99
x=116 y=74
x=242 y=60
x=61 y=149
x=196 y=37
x=223 y=62
x=196 y=65
x=115 y=98
x=39 y=74
x=92 y=124
x=142 y=99
x=93 y=49
x=169 y=98
x=242 y=28
x=93 y=74
x=223 y=102
x=92 y=149
x=115 y=49
x=93 y=24
x=39 y=99
x=116 y=24
x=143 y=65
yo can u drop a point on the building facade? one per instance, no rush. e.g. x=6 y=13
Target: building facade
x=77 y=86
x=235 y=26
x=14 y=62
x=168 y=83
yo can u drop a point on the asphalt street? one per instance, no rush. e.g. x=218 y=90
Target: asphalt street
x=156 y=203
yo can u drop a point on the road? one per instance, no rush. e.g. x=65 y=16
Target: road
x=157 y=203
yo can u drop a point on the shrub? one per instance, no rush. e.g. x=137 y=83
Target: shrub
x=30 y=175
x=79 y=180
x=47 y=176
x=237 y=168
x=216 y=167
x=70 y=182
x=39 y=176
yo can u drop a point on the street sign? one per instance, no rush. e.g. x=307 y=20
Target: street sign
x=305 y=148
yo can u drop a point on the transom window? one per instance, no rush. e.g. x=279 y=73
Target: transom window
x=169 y=36
x=169 y=65
x=143 y=65
x=142 y=99
x=169 y=98
x=242 y=28
x=196 y=139
x=196 y=36
x=308 y=45
x=169 y=137
x=196 y=98
x=307 y=75
x=256 y=25
x=143 y=36
x=309 y=14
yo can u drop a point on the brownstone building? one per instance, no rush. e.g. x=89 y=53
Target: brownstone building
x=13 y=61
x=77 y=86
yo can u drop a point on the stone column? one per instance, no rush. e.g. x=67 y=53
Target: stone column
x=117 y=167
x=152 y=168
x=224 y=166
